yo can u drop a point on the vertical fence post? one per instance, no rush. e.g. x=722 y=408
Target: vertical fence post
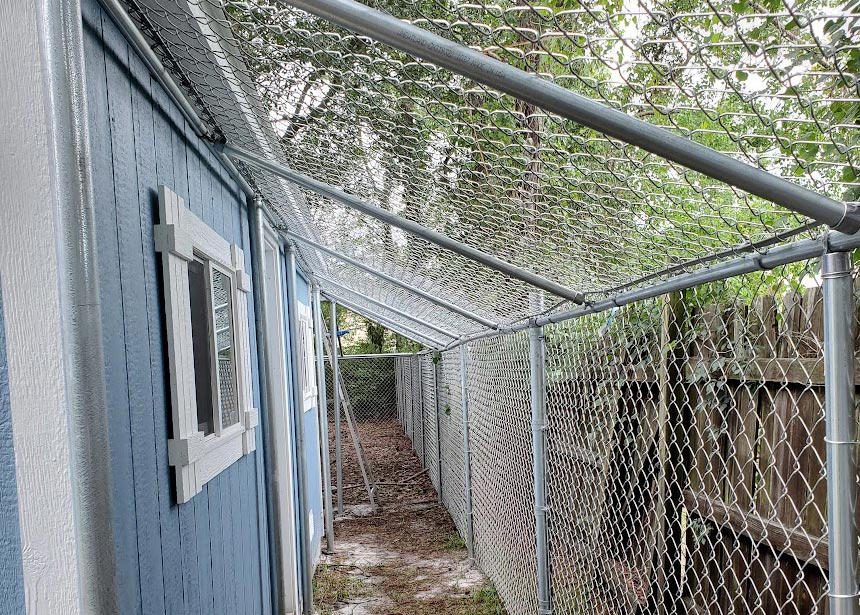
x=436 y=369
x=538 y=403
x=411 y=419
x=841 y=431
x=413 y=363
x=666 y=585
x=421 y=405
x=467 y=461
x=397 y=388
x=335 y=378
x=323 y=417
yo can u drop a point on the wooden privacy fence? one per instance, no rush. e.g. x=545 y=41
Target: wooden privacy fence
x=686 y=456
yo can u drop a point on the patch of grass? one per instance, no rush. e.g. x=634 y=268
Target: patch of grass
x=333 y=586
x=453 y=542
x=399 y=583
x=486 y=601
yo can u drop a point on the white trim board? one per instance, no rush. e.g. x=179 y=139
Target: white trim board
x=31 y=271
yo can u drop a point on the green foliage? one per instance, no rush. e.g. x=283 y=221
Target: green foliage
x=486 y=601
x=367 y=336
x=453 y=542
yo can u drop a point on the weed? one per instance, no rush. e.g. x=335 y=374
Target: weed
x=453 y=542
x=485 y=601
x=333 y=586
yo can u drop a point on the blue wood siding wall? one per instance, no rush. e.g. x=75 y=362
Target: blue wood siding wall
x=313 y=463
x=12 y=577
x=311 y=436
x=209 y=555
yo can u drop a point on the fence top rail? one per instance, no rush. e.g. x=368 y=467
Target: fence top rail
x=381 y=355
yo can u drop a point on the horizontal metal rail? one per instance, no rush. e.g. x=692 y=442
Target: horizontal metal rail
x=411 y=227
x=388 y=278
x=381 y=355
x=392 y=309
x=400 y=328
x=554 y=98
x=774 y=257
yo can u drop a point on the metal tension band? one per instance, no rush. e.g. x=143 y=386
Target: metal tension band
x=835 y=275
x=850 y=218
x=829 y=441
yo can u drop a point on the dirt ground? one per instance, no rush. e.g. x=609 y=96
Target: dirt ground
x=405 y=556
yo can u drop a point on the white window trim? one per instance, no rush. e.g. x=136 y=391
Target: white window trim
x=197 y=457
x=306 y=351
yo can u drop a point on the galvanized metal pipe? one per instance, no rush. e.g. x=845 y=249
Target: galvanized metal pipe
x=421 y=402
x=133 y=35
x=775 y=257
x=782 y=255
x=411 y=227
x=410 y=400
x=381 y=355
x=306 y=572
x=80 y=310
x=467 y=458
x=436 y=368
x=391 y=308
x=841 y=432
x=261 y=329
x=323 y=418
x=554 y=98
x=391 y=279
x=335 y=378
x=388 y=322
x=538 y=403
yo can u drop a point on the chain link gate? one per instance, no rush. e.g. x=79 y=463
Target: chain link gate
x=372 y=395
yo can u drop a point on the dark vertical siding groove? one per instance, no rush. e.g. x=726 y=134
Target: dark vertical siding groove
x=171 y=546
x=136 y=218
x=110 y=95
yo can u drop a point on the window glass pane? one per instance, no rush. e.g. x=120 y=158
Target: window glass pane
x=199 y=299
x=222 y=314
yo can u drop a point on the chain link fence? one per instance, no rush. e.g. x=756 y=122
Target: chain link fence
x=685 y=452
x=684 y=436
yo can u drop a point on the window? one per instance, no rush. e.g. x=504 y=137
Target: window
x=306 y=351
x=209 y=351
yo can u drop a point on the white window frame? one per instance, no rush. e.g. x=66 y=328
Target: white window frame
x=306 y=352
x=181 y=237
